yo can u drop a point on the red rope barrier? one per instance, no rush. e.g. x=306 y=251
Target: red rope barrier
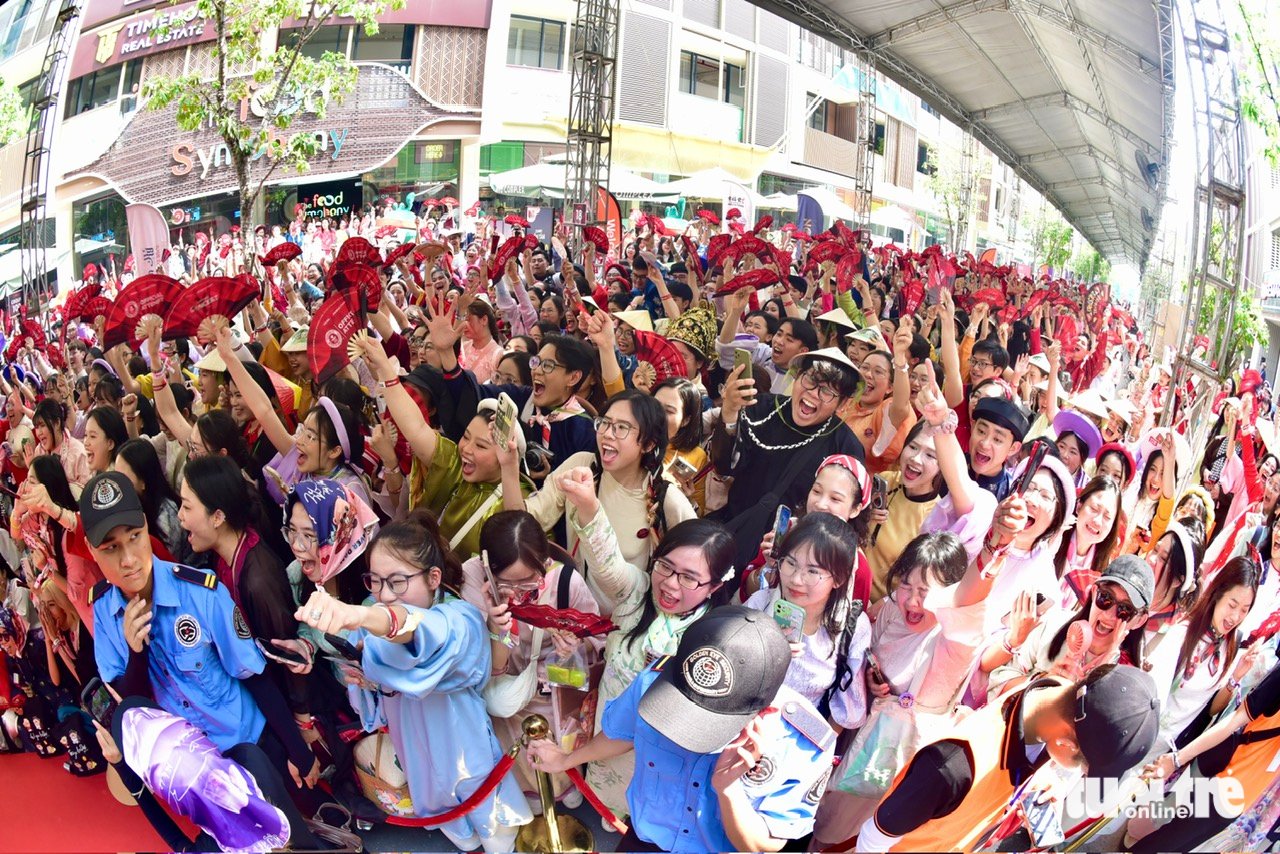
x=598 y=805
x=479 y=795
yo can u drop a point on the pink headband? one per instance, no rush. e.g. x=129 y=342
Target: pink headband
x=860 y=475
x=338 y=427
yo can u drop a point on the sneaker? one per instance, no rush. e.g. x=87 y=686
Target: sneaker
x=572 y=798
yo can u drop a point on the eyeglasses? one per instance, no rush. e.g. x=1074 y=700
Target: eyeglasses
x=1104 y=599
x=982 y=366
x=292 y=535
x=619 y=429
x=398 y=583
x=663 y=569
x=543 y=366
x=521 y=594
x=826 y=393
x=807 y=575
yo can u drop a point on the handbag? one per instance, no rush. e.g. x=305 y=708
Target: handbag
x=381 y=778
x=507 y=694
x=340 y=837
x=886 y=742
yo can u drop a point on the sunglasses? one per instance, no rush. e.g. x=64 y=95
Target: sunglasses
x=1105 y=600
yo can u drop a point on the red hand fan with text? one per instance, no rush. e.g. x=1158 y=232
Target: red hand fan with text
x=206 y=304
x=357 y=250
x=151 y=294
x=333 y=326
x=362 y=278
x=657 y=351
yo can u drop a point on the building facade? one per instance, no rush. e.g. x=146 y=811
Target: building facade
x=452 y=93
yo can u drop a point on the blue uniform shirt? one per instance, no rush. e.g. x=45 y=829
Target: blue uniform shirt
x=200 y=650
x=671 y=799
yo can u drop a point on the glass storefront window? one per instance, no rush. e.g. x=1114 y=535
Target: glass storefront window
x=424 y=167
x=100 y=229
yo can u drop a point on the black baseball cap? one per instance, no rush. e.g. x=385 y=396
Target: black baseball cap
x=108 y=502
x=1117 y=718
x=729 y=666
x=1134 y=576
x=1002 y=413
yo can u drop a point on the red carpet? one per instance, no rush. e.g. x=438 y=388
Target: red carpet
x=45 y=809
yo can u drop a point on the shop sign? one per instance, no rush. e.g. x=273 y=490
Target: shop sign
x=331 y=200
x=189 y=160
x=165 y=28
x=184 y=215
x=151 y=163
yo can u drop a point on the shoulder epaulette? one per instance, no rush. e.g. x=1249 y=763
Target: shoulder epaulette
x=99 y=590
x=806 y=721
x=660 y=663
x=191 y=575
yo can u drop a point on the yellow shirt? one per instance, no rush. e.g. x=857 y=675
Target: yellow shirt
x=906 y=516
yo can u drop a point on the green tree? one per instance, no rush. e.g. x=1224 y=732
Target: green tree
x=257 y=65
x=946 y=182
x=1247 y=327
x=1090 y=266
x=1259 y=71
x=1051 y=239
x=14 y=117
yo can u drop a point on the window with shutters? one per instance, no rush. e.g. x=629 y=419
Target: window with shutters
x=1275 y=250
x=536 y=43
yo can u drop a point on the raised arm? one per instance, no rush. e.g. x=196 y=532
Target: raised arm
x=422 y=439
x=254 y=397
x=952 y=381
x=166 y=405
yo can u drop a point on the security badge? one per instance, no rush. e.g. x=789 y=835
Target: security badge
x=187 y=630
x=242 y=628
x=708 y=672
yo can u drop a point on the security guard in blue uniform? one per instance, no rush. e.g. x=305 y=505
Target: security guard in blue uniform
x=691 y=792
x=172 y=632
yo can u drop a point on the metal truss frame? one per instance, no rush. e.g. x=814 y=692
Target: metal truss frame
x=32 y=245
x=1217 y=234
x=592 y=93
x=1136 y=240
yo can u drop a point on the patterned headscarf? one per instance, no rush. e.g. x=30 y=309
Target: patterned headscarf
x=860 y=475
x=344 y=524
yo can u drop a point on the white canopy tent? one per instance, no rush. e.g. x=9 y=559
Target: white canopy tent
x=1077 y=97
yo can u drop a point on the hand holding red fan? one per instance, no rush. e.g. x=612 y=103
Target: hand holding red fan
x=653 y=349
x=215 y=296
x=399 y=252
x=516 y=220
x=709 y=216
x=761 y=277
x=597 y=236
x=284 y=252
x=508 y=250
x=762 y=223
x=362 y=278
x=150 y=294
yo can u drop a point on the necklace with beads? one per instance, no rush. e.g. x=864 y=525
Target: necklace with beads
x=808 y=438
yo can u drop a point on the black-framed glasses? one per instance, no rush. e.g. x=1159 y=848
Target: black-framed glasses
x=826 y=393
x=543 y=366
x=1105 y=600
x=398 y=583
x=618 y=429
x=664 y=569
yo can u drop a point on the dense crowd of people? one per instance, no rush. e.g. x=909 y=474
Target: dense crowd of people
x=797 y=542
